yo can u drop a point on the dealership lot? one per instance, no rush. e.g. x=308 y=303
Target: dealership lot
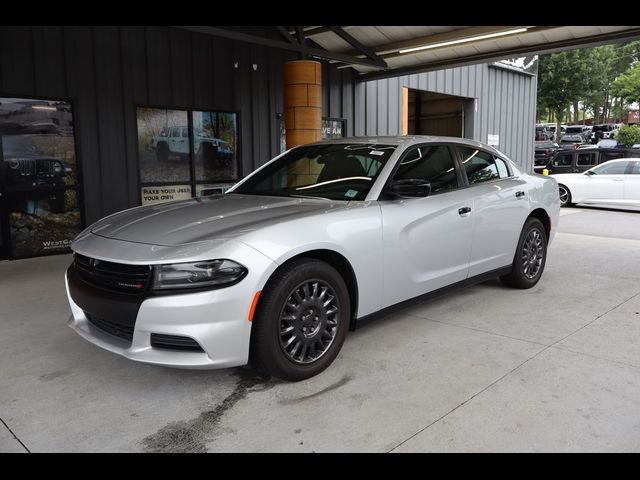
x=553 y=368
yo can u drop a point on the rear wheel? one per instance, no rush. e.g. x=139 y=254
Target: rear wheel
x=530 y=258
x=565 y=196
x=301 y=321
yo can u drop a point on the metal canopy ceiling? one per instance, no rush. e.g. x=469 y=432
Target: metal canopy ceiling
x=379 y=51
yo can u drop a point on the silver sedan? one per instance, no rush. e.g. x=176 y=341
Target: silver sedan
x=278 y=269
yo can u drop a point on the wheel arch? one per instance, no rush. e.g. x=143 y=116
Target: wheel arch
x=542 y=215
x=341 y=264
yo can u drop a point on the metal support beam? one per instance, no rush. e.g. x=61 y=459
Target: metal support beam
x=285 y=33
x=542 y=48
x=267 y=42
x=300 y=35
x=369 y=53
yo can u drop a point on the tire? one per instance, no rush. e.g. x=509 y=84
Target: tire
x=526 y=272
x=279 y=332
x=162 y=152
x=565 y=196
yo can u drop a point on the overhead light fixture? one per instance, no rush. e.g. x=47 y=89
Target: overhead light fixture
x=475 y=38
x=43 y=107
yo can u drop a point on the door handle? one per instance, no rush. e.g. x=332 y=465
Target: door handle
x=464 y=211
x=520 y=194
x=618 y=179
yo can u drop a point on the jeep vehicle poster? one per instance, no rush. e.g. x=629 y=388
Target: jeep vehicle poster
x=163 y=145
x=215 y=142
x=41 y=208
x=170 y=140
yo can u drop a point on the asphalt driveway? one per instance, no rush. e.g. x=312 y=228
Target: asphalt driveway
x=554 y=368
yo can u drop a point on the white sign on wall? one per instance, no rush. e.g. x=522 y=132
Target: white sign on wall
x=165 y=193
x=493 y=139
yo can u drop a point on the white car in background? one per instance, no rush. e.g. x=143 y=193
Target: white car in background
x=615 y=183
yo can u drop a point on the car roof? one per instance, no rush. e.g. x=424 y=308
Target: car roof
x=616 y=160
x=407 y=140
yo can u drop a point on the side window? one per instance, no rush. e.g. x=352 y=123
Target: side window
x=606 y=156
x=586 y=159
x=563 y=160
x=617 y=168
x=432 y=163
x=503 y=170
x=480 y=166
x=636 y=168
x=185 y=132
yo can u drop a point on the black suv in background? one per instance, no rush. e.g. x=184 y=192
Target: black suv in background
x=544 y=151
x=582 y=159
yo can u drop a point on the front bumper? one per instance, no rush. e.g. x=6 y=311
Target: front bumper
x=217 y=319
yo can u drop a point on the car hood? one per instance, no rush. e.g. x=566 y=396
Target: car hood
x=203 y=219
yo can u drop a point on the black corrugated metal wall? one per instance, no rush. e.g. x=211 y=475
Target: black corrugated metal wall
x=107 y=71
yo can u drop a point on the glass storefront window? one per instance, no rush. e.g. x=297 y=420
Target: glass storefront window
x=40 y=210
x=184 y=152
x=215 y=143
x=163 y=145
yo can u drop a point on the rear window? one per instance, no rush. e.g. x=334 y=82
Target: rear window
x=480 y=166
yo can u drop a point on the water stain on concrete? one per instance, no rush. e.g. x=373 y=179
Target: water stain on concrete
x=191 y=436
x=343 y=381
x=53 y=375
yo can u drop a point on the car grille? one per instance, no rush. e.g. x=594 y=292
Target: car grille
x=116 y=277
x=36 y=166
x=116 y=329
x=175 y=342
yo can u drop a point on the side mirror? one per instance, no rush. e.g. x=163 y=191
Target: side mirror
x=589 y=173
x=411 y=187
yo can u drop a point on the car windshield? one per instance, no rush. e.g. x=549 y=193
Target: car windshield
x=344 y=171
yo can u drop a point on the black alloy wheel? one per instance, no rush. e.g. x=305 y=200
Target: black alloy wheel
x=301 y=320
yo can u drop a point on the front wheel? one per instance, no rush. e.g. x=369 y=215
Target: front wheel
x=301 y=320
x=565 y=196
x=530 y=258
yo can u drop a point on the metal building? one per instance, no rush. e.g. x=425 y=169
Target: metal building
x=94 y=120
x=493 y=103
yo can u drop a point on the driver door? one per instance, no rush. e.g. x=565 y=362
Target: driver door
x=606 y=184
x=426 y=241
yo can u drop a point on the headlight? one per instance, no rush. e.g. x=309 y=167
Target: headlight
x=209 y=273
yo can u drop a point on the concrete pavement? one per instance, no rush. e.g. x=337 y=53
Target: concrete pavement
x=553 y=368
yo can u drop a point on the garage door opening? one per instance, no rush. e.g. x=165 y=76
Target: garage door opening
x=430 y=113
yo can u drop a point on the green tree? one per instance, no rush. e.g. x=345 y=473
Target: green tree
x=629 y=135
x=627 y=85
x=586 y=76
x=563 y=79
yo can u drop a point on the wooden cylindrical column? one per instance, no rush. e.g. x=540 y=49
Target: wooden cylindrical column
x=303 y=102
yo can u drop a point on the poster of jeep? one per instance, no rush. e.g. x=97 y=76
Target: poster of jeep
x=39 y=181
x=215 y=143
x=163 y=145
